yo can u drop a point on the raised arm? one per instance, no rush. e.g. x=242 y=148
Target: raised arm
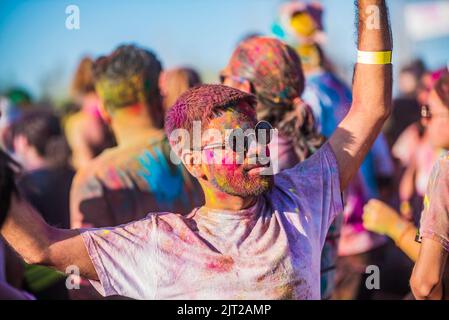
x=38 y=243
x=372 y=92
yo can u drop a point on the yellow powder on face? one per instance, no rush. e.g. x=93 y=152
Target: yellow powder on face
x=303 y=24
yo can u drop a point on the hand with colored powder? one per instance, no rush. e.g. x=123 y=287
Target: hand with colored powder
x=380 y=218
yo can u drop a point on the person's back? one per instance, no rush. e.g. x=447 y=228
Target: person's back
x=126 y=182
x=137 y=176
x=48 y=190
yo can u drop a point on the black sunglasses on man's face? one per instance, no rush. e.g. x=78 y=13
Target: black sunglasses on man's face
x=239 y=140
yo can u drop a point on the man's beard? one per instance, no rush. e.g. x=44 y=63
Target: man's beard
x=244 y=185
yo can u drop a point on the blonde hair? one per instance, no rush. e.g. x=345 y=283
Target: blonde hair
x=83 y=81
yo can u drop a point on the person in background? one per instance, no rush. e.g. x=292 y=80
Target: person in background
x=12 y=104
x=39 y=146
x=406 y=107
x=86 y=132
x=416 y=156
x=174 y=82
x=250 y=71
x=126 y=182
x=431 y=255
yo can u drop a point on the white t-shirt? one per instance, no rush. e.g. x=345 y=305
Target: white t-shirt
x=269 y=251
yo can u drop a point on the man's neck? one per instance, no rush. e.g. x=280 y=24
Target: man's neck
x=219 y=200
x=312 y=71
x=129 y=123
x=34 y=162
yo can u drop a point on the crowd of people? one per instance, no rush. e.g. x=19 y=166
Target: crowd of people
x=152 y=185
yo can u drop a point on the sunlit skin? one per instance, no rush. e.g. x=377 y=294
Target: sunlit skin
x=438 y=125
x=228 y=181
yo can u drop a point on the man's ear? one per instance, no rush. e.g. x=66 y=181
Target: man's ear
x=20 y=143
x=104 y=112
x=192 y=162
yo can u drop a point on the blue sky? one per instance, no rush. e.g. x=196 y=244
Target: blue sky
x=36 y=49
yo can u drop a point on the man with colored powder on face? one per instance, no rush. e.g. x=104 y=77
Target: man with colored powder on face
x=258 y=236
x=137 y=176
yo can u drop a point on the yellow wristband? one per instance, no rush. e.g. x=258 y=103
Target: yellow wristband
x=374 y=57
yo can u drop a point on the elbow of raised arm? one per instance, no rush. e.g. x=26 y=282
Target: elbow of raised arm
x=386 y=111
x=36 y=257
x=422 y=287
x=378 y=112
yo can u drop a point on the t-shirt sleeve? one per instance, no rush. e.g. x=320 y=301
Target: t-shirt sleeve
x=316 y=184
x=435 y=216
x=123 y=257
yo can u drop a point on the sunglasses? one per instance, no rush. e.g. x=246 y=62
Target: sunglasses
x=239 y=141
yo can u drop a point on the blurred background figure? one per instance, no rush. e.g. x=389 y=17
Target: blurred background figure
x=174 y=82
x=12 y=103
x=415 y=154
x=87 y=133
x=434 y=221
x=39 y=146
x=406 y=107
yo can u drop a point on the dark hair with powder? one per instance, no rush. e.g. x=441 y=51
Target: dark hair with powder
x=129 y=76
x=203 y=103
